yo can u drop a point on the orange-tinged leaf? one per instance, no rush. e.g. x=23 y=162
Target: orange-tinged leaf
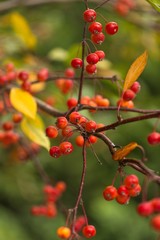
x=135 y=70
x=23 y=102
x=34 y=130
x=123 y=152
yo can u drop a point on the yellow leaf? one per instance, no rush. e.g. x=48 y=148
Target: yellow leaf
x=22 y=29
x=123 y=152
x=23 y=102
x=135 y=70
x=34 y=130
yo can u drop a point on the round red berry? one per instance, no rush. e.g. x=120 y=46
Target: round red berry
x=55 y=152
x=153 y=138
x=74 y=117
x=135 y=87
x=89 y=15
x=69 y=72
x=43 y=74
x=100 y=54
x=156 y=204
x=145 y=209
x=91 y=126
x=131 y=181
x=72 y=102
x=123 y=191
x=66 y=148
x=128 y=95
x=67 y=131
x=61 y=122
x=23 y=75
x=51 y=132
x=111 y=28
x=110 y=193
x=92 y=58
x=134 y=192
x=98 y=38
x=76 y=63
x=17 y=117
x=79 y=141
x=95 y=27
x=89 y=231
x=155 y=222
x=122 y=199
x=91 y=68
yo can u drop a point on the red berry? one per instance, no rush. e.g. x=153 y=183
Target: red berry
x=95 y=27
x=100 y=54
x=17 y=117
x=79 y=223
x=91 y=68
x=111 y=28
x=89 y=231
x=110 y=193
x=76 y=63
x=134 y=192
x=153 y=138
x=155 y=222
x=131 y=181
x=92 y=139
x=51 y=210
x=61 y=122
x=72 y=102
x=66 y=148
x=3 y=80
x=26 y=86
x=69 y=72
x=89 y=15
x=55 y=152
x=91 y=126
x=92 y=58
x=79 y=141
x=67 y=131
x=145 y=209
x=156 y=204
x=43 y=74
x=122 y=199
x=51 y=132
x=135 y=87
x=23 y=75
x=98 y=38
x=7 y=126
x=123 y=191
x=74 y=117
x=61 y=186
x=128 y=95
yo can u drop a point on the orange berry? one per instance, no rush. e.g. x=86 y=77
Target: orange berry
x=64 y=232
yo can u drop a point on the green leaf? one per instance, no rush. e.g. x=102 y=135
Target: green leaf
x=23 y=102
x=34 y=130
x=155 y=4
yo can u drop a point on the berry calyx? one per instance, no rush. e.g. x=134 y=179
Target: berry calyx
x=110 y=193
x=89 y=231
x=89 y=15
x=111 y=28
x=76 y=63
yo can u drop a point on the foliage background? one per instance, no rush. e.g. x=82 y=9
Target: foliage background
x=57 y=28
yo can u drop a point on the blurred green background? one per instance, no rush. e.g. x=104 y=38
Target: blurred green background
x=56 y=32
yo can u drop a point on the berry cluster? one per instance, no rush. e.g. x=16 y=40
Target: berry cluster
x=97 y=37
x=129 y=95
x=151 y=209
x=52 y=194
x=122 y=194
x=65 y=85
x=75 y=122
